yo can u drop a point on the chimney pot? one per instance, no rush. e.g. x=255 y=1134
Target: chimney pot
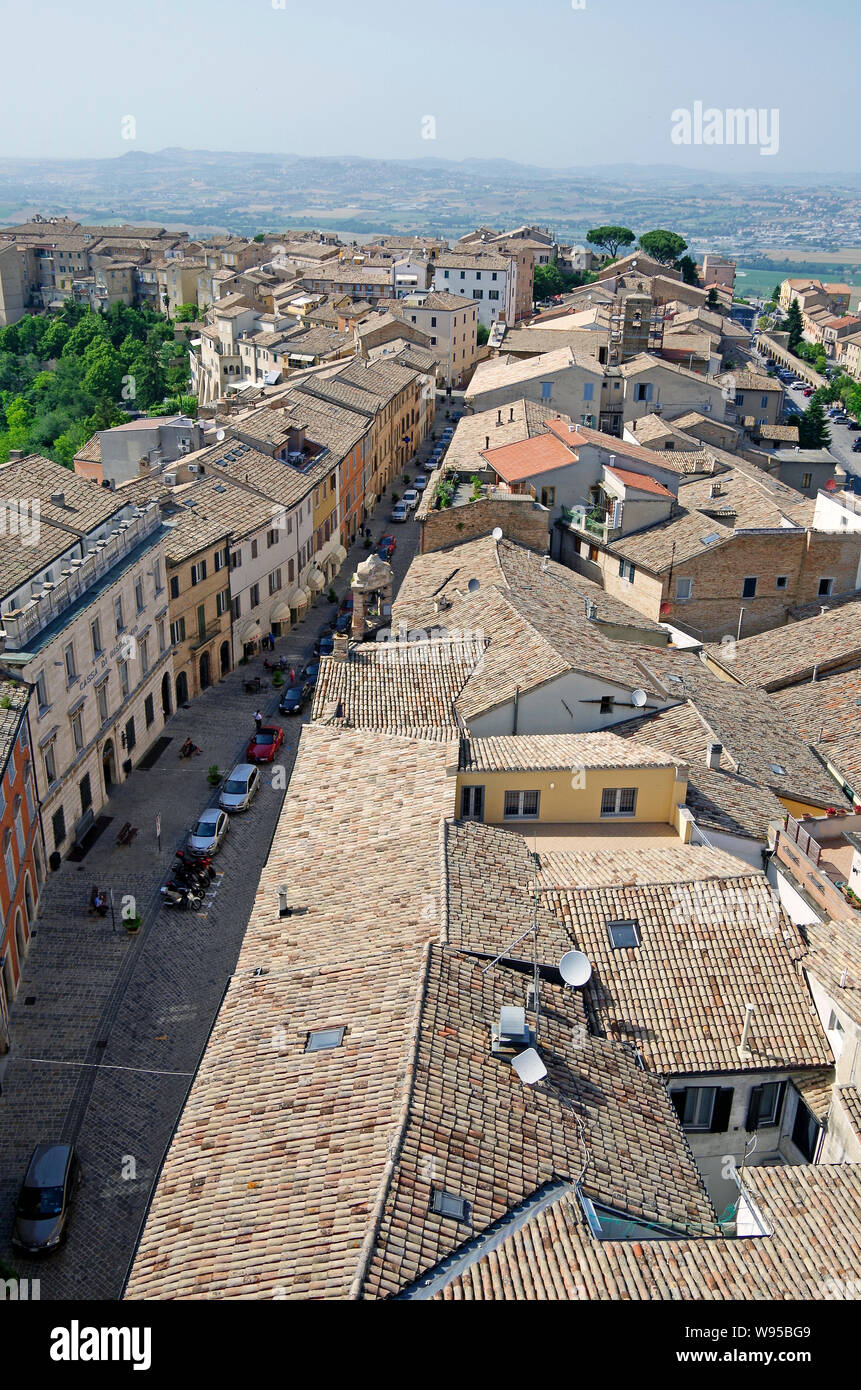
x=713 y=755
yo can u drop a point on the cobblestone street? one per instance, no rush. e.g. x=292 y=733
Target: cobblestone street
x=107 y=1027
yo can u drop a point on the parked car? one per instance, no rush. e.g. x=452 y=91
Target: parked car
x=411 y=498
x=420 y=482
x=294 y=699
x=399 y=512
x=856 y=446
x=386 y=547
x=342 y=622
x=808 y=391
x=264 y=745
x=240 y=789
x=854 y=425
x=346 y=605
x=45 y=1198
x=324 y=645
x=310 y=671
x=207 y=834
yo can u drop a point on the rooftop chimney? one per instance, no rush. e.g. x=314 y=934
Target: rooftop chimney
x=713 y=755
x=714 y=490
x=340 y=650
x=58 y=499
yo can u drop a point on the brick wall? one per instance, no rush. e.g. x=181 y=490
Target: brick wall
x=520 y=518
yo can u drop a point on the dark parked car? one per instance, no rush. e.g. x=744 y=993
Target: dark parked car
x=386 y=547
x=45 y=1199
x=854 y=425
x=310 y=671
x=263 y=746
x=293 y=701
x=856 y=446
x=325 y=644
x=343 y=621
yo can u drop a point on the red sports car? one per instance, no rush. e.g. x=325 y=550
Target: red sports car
x=264 y=745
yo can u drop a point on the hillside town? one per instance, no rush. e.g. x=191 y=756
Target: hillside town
x=430 y=793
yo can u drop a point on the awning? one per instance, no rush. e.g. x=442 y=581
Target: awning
x=303 y=598
x=340 y=553
x=250 y=631
x=281 y=612
x=316 y=579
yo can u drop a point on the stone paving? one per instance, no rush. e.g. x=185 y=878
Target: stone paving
x=105 y=1053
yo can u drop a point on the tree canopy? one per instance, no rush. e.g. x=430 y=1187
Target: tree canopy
x=610 y=238
x=663 y=246
x=794 y=324
x=64 y=376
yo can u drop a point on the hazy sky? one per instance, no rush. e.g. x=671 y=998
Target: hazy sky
x=541 y=82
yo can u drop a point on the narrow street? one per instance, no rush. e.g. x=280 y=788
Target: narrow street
x=107 y=1027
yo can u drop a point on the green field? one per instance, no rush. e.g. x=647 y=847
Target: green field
x=752 y=280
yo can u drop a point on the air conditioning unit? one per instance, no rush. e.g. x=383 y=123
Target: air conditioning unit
x=194 y=468
x=170 y=480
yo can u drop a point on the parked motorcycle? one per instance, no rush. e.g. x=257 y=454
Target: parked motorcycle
x=187 y=878
x=198 y=862
x=181 y=898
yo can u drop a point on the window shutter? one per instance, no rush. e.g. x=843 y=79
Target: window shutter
x=752 y=1121
x=648 y=390
x=721 y=1112
x=678 y=1099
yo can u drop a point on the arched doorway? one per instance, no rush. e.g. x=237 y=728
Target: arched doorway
x=225 y=658
x=205 y=672
x=109 y=766
x=165 y=694
x=181 y=689
x=28 y=900
x=20 y=936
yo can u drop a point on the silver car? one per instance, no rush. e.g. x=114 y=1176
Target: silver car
x=207 y=836
x=240 y=789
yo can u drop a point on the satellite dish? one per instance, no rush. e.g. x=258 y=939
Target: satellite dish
x=639 y=697
x=473 y=586
x=219 y=434
x=496 y=533
x=529 y=1067
x=575 y=969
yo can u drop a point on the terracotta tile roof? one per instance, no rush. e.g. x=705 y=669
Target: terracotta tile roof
x=91 y=452
x=641 y=481
x=827 y=714
x=757 y=501
x=671 y=542
x=787 y=655
x=396 y=686
x=816 y=1089
x=552 y=752
x=832 y=948
x=706 y=950
x=620 y=866
x=542 y=453
x=812 y=1255
x=850 y=1098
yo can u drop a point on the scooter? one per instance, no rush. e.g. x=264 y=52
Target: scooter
x=187 y=878
x=181 y=898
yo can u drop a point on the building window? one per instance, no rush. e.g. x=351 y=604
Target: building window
x=624 y=936
x=96 y=632
x=806 y=479
x=704 y=1107
x=324 y=1039
x=254 y=550
x=448 y=1204
x=139 y=595
x=156 y=575
x=118 y=614
x=274 y=581
x=124 y=677
x=255 y=595
x=588 y=391
x=826 y=587
x=618 y=801
x=201 y=620
x=643 y=391
x=836 y=1033
x=174 y=586
x=782 y=581
x=69 y=658
x=748 y=588
x=86 y=793
x=684 y=589
x=41 y=691
x=78 y=731
x=102 y=701
x=765 y=1105
x=548 y=497
x=521 y=805
x=607 y=704
x=472 y=803
x=222 y=602
x=149 y=710
x=58 y=826
x=143 y=647
x=177 y=631
x=237 y=608
x=198 y=572
x=131 y=738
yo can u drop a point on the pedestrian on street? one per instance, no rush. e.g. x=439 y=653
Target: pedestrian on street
x=258 y=720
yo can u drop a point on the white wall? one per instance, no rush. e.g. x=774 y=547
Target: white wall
x=542 y=711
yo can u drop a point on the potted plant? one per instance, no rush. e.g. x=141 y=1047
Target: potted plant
x=133 y=924
x=213 y=776
x=278 y=680
x=332 y=596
